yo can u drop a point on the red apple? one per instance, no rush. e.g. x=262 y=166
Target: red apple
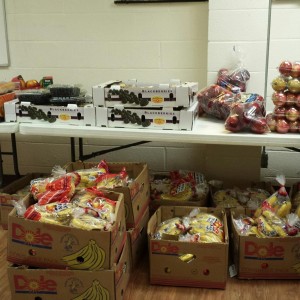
x=282 y=126
x=290 y=99
x=279 y=112
x=259 y=125
x=294 y=126
x=285 y=68
x=233 y=123
x=32 y=84
x=271 y=121
x=279 y=98
x=279 y=84
x=223 y=71
x=223 y=81
x=292 y=114
x=297 y=102
x=294 y=85
x=295 y=72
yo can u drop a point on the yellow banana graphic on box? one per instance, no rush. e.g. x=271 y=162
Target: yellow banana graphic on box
x=90 y=257
x=95 y=292
x=296 y=267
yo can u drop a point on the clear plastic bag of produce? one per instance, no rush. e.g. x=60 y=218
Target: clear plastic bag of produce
x=248 y=116
x=234 y=80
x=215 y=101
x=54 y=189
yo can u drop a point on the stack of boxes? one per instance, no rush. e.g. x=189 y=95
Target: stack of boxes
x=135 y=104
x=64 y=262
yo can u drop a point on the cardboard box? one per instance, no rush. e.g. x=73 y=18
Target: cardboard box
x=137 y=94
x=209 y=267
x=147 y=118
x=46 y=245
x=136 y=194
x=51 y=284
x=295 y=194
x=265 y=258
x=138 y=240
x=72 y=114
x=14 y=191
x=160 y=183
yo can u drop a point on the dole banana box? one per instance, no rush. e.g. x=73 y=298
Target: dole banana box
x=138 y=239
x=136 y=194
x=209 y=267
x=53 y=284
x=265 y=258
x=14 y=191
x=45 y=245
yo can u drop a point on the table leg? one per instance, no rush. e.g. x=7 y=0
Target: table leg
x=15 y=154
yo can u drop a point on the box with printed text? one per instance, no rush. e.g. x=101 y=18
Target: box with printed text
x=168 y=118
x=46 y=245
x=71 y=114
x=52 y=284
x=265 y=258
x=208 y=266
x=132 y=93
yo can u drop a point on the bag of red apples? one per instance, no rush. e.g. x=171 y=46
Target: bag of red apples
x=216 y=99
x=286 y=98
x=248 y=115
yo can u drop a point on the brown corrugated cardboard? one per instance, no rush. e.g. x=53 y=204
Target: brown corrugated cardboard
x=209 y=267
x=8 y=193
x=136 y=194
x=53 y=246
x=138 y=239
x=51 y=284
x=265 y=258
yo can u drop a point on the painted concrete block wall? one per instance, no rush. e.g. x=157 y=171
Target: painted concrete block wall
x=243 y=24
x=93 y=41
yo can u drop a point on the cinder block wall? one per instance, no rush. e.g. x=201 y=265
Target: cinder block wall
x=93 y=41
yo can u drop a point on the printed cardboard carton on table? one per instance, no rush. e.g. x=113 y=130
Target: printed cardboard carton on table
x=138 y=94
x=14 y=191
x=136 y=194
x=265 y=258
x=71 y=114
x=166 y=118
x=46 y=245
x=53 y=284
x=209 y=267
